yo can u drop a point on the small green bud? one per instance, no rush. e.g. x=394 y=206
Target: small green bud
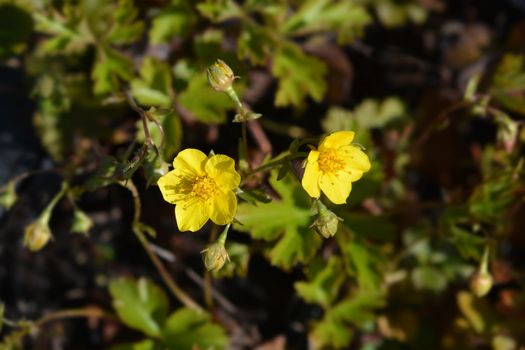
x=215 y=256
x=37 y=234
x=481 y=283
x=8 y=195
x=81 y=222
x=326 y=222
x=220 y=76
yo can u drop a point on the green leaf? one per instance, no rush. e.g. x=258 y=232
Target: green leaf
x=219 y=10
x=324 y=284
x=254 y=43
x=299 y=76
x=367 y=263
x=492 y=197
x=147 y=344
x=125 y=29
x=140 y=304
x=286 y=219
x=109 y=69
x=334 y=329
x=154 y=86
x=347 y=18
x=113 y=22
x=508 y=83
x=429 y=278
x=469 y=245
x=186 y=329
x=177 y=19
x=332 y=334
x=376 y=114
x=206 y=105
x=67 y=35
x=8 y=195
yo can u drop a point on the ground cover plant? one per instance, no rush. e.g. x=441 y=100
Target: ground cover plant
x=262 y=174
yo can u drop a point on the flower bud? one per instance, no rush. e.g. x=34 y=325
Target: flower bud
x=326 y=222
x=220 y=76
x=81 y=222
x=481 y=283
x=215 y=256
x=37 y=234
x=8 y=195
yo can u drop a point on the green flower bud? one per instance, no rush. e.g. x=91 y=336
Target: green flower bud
x=220 y=76
x=481 y=282
x=37 y=234
x=215 y=256
x=326 y=222
x=81 y=222
x=8 y=195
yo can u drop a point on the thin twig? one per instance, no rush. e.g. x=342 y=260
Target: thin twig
x=177 y=292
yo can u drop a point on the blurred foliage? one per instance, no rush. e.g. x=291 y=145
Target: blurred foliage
x=119 y=87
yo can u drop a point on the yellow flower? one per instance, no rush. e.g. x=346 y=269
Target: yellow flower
x=201 y=188
x=334 y=166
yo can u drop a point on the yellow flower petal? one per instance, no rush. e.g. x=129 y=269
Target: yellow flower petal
x=337 y=139
x=354 y=174
x=222 y=169
x=356 y=159
x=190 y=160
x=168 y=187
x=336 y=188
x=191 y=215
x=311 y=175
x=223 y=208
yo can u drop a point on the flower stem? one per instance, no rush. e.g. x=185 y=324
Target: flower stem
x=177 y=292
x=244 y=140
x=277 y=163
x=46 y=213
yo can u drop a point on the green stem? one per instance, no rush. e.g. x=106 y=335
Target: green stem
x=484 y=266
x=277 y=163
x=224 y=235
x=244 y=140
x=233 y=95
x=46 y=214
x=177 y=292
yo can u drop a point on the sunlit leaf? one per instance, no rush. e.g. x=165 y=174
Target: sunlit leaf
x=323 y=284
x=187 y=329
x=508 y=83
x=287 y=219
x=299 y=76
x=147 y=344
x=206 y=105
x=111 y=67
x=140 y=304
x=367 y=263
x=153 y=88
x=177 y=19
x=347 y=18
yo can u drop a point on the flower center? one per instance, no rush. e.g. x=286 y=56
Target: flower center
x=204 y=187
x=330 y=161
